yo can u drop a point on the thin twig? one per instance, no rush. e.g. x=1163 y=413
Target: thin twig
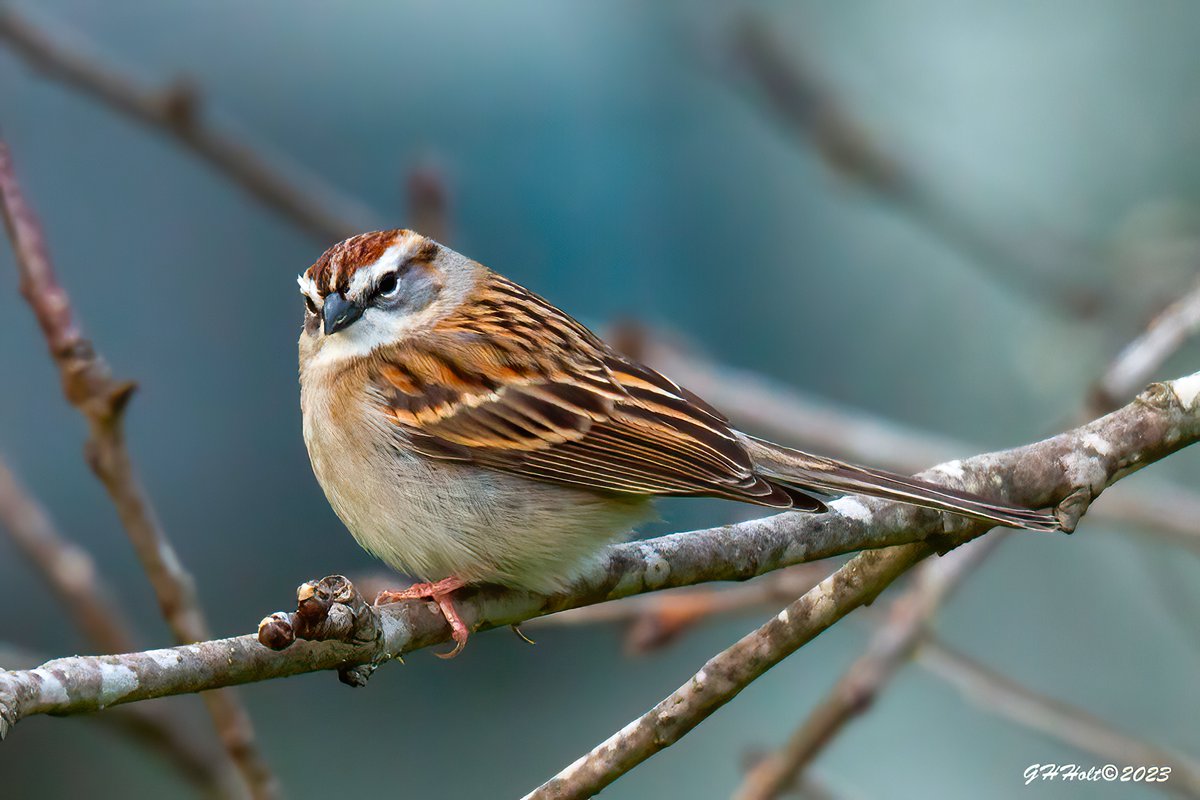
x=89 y=386
x=725 y=675
x=1141 y=358
x=1066 y=471
x=177 y=111
x=71 y=574
x=68 y=569
x=429 y=201
x=654 y=621
x=1060 y=721
x=889 y=650
x=1040 y=266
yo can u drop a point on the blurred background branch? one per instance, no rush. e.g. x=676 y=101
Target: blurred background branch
x=888 y=651
x=1004 y=697
x=1041 y=266
x=177 y=111
x=89 y=386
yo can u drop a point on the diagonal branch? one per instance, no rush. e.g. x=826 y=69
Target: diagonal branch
x=71 y=574
x=1043 y=266
x=1158 y=422
x=89 y=386
x=890 y=649
x=176 y=111
x=68 y=569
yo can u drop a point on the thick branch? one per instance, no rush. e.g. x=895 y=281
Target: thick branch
x=1075 y=465
x=176 y=111
x=1160 y=421
x=148 y=726
x=89 y=386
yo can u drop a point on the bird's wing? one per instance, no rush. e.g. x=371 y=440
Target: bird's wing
x=513 y=384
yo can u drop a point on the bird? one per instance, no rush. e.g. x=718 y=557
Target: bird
x=466 y=431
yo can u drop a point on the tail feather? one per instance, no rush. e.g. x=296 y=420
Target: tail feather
x=794 y=468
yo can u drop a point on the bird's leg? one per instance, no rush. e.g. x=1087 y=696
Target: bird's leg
x=440 y=592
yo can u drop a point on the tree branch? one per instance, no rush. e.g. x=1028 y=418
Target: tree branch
x=1031 y=261
x=68 y=568
x=656 y=620
x=785 y=414
x=89 y=386
x=177 y=111
x=1161 y=420
x=149 y=727
x=1076 y=465
x=71 y=574
x=889 y=650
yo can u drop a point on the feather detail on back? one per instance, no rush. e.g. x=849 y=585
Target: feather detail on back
x=510 y=382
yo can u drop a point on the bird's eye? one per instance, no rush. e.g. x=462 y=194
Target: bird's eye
x=388 y=285
x=312 y=307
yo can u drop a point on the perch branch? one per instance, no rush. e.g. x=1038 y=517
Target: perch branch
x=1104 y=455
x=89 y=386
x=148 y=726
x=1057 y=720
x=1067 y=471
x=785 y=414
x=177 y=112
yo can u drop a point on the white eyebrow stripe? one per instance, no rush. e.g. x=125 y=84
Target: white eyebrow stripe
x=366 y=277
x=308 y=288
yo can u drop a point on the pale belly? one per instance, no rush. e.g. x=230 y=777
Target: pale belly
x=434 y=519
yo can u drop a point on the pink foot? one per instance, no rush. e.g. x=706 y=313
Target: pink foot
x=440 y=593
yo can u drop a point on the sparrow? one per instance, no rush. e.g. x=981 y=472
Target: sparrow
x=467 y=431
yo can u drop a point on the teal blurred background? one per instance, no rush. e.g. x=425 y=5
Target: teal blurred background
x=618 y=158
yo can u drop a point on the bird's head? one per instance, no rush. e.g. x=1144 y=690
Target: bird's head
x=378 y=288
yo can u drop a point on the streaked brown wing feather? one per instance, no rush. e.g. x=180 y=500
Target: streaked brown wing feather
x=514 y=384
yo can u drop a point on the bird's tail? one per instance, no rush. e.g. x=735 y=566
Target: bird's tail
x=794 y=468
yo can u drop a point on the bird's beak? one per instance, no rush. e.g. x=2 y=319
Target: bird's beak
x=340 y=313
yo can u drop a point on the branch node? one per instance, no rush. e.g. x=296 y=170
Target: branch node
x=329 y=609
x=276 y=631
x=181 y=103
x=1069 y=511
x=357 y=675
x=1158 y=396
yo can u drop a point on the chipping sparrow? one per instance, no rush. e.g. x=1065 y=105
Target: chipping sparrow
x=467 y=431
